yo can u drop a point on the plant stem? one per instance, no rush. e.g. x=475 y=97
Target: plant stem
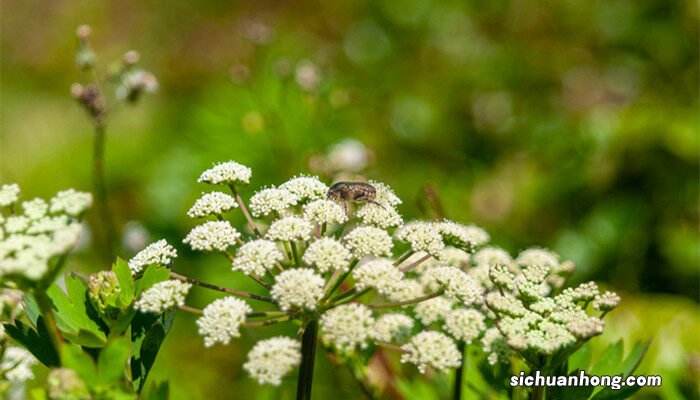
x=243 y=208
x=297 y=261
x=339 y=281
x=459 y=373
x=403 y=258
x=346 y=297
x=407 y=302
x=44 y=304
x=537 y=393
x=190 y=309
x=416 y=263
x=391 y=346
x=270 y=321
x=98 y=161
x=219 y=288
x=251 y=276
x=308 y=355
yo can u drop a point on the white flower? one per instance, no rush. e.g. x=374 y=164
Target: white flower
x=158 y=253
x=327 y=254
x=606 y=301
x=16 y=223
x=537 y=256
x=301 y=288
x=431 y=310
x=306 y=187
x=214 y=203
x=221 y=320
x=381 y=216
x=422 y=236
x=489 y=256
x=391 y=326
x=501 y=276
x=385 y=195
x=48 y=224
x=454 y=257
x=163 y=296
x=271 y=200
x=404 y=290
x=379 y=274
x=505 y=304
x=368 y=240
x=465 y=237
x=257 y=257
x=229 y=172
x=549 y=338
x=586 y=328
x=213 y=235
x=71 y=202
x=347 y=327
x=432 y=349
x=271 y=359
x=290 y=229
x=456 y=283
x=494 y=344
x=16 y=364
x=9 y=194
x=35 y=209
x=465 y=325
x=324 y=211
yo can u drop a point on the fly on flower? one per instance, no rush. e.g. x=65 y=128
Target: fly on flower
x=356 y=192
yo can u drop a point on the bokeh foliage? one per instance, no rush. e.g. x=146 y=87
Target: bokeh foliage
x=572 y=124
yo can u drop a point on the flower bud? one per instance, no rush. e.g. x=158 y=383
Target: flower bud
x=104 y=293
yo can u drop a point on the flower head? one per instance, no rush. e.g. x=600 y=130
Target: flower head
x=71 y=202
x=306 y=187
x=422 y=236
x=324 y=211
x=300 y=287
x=347 y=327
x=379 y=274
x=466 y=237
x=212 y=235
x=158 y=253
x=385 y=195
x=229 y=172
x=35 y=209
x=489 y=256
x=16 y=364
x=9 y=194
x=391 y=326
x=271 y=200
x=221 y=320
x=368 y=240
x=465 y=325
x=256 y=257
x=431 y=349
x=214 y=203
x=380 y=216
x=163 y=296
x=271 y=359
x=290 y=229
x=606 y=301
x=431 y=310
x=327 y=254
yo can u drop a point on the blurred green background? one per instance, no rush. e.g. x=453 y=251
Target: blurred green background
x=567 y=124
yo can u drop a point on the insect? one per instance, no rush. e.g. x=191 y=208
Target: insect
x=355 y=192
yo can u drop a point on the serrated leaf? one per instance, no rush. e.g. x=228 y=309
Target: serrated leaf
x=581 y=359
x=31 y=309
x=609 y=362
x=75 y=358
x=153 y=274
x=112 y=361
x=36 y=342
x=126 y=282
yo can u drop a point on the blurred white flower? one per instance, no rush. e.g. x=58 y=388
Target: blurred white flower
x=16 y=364
x=35 y=209
x=163 y=296
x=379 y=274
x=606 y=301
x=327 y=254
x=301 y=288
x=431 y=349
x=221 y=320
x=347 y=327
x=465 y=325
x=431 y=310
x=324 y=211
x=391 y=326
x=380 y=216
x=71 y=202
x=271 y=359
x=368 y=240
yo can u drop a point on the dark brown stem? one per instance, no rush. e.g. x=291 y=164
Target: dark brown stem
x=416 y=263
x=407 y=302
x=243 y=208
x=193 y=281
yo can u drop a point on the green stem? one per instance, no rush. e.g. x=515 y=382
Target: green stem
x=297 y=261
x=308 y=355
x=415 y=264
x=98 y=161
x=537 y=393
x=459 y=373
x=44 y=304
x=243 y=208
x=403 y=257
x=408 y=302
x=340 y=280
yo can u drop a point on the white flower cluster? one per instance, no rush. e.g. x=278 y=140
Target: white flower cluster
x=226 y=173
x=16 y=364
x=306 y=187
x=466 y=237
x=214 y=203
x=256 y=257
x=347 y=327
x=456 y=283
x=422 y=236
x=324 y=211
x=380 y=216
x=465 y=325
x=368 y=241
x=163 y=296
x=391 y=326
x=157 y=253
x=379 y=274
x=300 y=287
x=431 y=349
x=290 y=229
x=327 y=254
x=221 y=320
x=429 y=311
x=271 y=359
x=271 y=201
x=385 y=195
x=212 y=235
x=30 y=241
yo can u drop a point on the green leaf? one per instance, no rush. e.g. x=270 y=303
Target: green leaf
x=75 y=358
x=628 y=367
x=581 y=359
x=609 y=362
x=126 y=282
x=86 y=338
x=75 y=316
x=147 y=333
x=153 y=274
x=111 y=363
x=571 y=392
x=36 y=342
x=159 y=391
x=149 y=350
